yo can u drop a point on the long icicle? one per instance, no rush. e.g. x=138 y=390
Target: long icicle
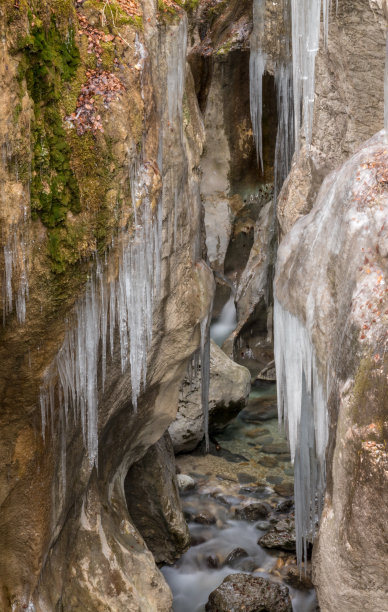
x=257 y=64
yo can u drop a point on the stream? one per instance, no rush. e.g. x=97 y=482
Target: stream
x=248 y=462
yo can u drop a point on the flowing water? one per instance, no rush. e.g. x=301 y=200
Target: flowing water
x=248 y=462
x=226 y=323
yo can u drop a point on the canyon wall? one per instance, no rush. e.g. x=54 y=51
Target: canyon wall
x=101 y=139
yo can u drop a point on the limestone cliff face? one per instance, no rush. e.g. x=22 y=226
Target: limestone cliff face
x=332 y=275
x=84 y=114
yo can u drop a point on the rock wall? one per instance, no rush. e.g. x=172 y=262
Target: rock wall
x=327 y=277
x=71 y=133
x=332 y=275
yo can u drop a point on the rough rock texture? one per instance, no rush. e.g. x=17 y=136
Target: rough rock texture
x=332 y=274
x=69 y=544
x=152 y=495
x=243 y=592
x=349 y=102
x=229 y=389
x=282 y=536
x=254 y=294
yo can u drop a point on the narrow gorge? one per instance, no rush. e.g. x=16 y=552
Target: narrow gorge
x=194 y=305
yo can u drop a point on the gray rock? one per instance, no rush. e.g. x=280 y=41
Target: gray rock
x=229 y=390
x=346 y=291
x=243 y=592
x=253 y=511
x=152 y=496
x=235 y=556
x=204 y=518
x=281 y=537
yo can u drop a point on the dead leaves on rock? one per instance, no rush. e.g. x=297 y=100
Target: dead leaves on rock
x=99 y=83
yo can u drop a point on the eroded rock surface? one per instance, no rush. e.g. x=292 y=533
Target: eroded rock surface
x=244 y=592
x=151 y=491
x=332 y=275
x=75 y=547
x=229 y=389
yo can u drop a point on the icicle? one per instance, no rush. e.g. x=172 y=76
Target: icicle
x=285 y=132
x=125 y=303
x=257 y=63
x=386 y=91
x=306 y=19
x=176 y=69
x=15 y=286
x=326 y=6
x=205 y=374
x=302 y=405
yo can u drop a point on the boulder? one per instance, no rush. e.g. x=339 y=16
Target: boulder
x=253 y=511
x=152 y=495
x=281 y=537
x=229 y=389
x=243 y=592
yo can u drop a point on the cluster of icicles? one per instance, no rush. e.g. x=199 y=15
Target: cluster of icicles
x=294 y=75
x=301 y=400
x=302 y=397
x=121 y=304
x=302 y=405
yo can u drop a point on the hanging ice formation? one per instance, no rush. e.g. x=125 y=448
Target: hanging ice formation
x=125 y=304
x=285 y=133
x=15 y=280
x=116 y=304
x=302 y=405
x=257 y=62
x=176 y=69
x=306 y=26
x=386 y=91
x=15 y=277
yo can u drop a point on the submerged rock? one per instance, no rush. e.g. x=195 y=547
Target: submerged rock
x=243 y=592
x=229 y=390
x=235 y=556
x=204 y=518
x=297 y=578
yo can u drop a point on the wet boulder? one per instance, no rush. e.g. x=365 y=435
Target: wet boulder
x=240 y=592
x=253 y=511
x=235 y=556
x=281 y=536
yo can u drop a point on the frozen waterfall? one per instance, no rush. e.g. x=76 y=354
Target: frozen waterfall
x=257 y=64
x=302 y=405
